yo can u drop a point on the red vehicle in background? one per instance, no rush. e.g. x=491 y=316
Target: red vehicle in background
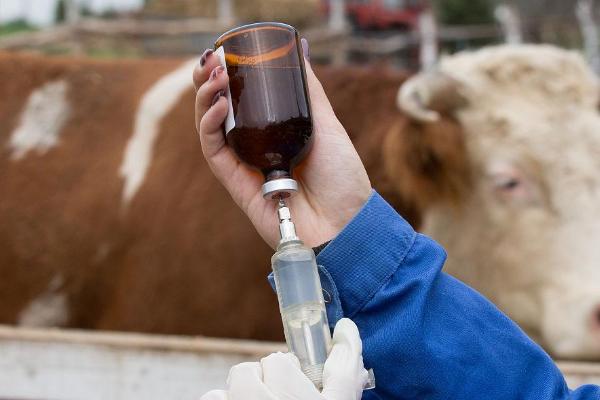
x=382 y=14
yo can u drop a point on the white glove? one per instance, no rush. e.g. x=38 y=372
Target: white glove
x=278 y=376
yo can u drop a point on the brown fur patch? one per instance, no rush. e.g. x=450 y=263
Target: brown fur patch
x=182 y=259
x=428 y=162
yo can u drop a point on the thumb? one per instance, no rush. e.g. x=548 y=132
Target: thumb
x=283 y=376
x=344 y=375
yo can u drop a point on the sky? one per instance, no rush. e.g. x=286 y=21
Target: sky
x=43 y=12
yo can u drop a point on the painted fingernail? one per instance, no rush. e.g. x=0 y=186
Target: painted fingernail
x=305 y=48
x=216 y=72
x=205 y=56
x=218 y=96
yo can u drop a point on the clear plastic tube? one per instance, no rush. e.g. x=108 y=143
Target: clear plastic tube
x=302 y=307
x=301 y=301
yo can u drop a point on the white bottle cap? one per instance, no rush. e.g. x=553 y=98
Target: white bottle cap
x=283 y=188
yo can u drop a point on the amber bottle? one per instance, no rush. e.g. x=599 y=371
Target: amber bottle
x=271 y=128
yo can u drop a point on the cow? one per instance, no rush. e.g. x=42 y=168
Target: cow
x=113 y=220
x=109 y=216
x=501 y=155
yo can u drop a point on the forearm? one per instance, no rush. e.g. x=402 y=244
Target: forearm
x=426 y=334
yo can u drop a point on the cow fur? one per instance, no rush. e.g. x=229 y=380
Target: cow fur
x=179 y=258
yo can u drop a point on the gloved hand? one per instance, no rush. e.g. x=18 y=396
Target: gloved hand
x=278 y=376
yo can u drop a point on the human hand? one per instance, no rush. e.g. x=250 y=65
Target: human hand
x=332 y=180
x=278 y=376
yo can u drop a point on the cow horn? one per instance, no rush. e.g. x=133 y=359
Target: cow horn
x=426 y=95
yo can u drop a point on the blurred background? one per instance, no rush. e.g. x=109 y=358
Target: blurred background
x=351 y=31
x=83 y=82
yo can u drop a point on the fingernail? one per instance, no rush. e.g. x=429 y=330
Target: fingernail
x=305 y=48
x=217 y=96
x=205 y=56
x=216 y=72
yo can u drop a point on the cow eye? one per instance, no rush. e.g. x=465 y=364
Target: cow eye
x=512 y=185
x=508 y=184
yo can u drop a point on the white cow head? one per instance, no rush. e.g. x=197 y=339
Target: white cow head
x=502 y=154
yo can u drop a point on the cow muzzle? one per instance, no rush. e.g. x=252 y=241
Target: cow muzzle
x=571 y=328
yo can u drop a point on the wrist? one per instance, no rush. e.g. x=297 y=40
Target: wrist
x=366 y=253
x=342 y=216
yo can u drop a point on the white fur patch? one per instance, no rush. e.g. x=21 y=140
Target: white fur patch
x=43 y=118
x=533 y=248
x=155 y=104
x=50 y=309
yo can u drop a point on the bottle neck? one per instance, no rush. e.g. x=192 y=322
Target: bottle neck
x=287 y=229
x=277 y=174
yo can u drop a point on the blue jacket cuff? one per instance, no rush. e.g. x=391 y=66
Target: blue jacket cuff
x=362 y=258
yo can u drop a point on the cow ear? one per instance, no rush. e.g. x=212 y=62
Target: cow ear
x=427 y=161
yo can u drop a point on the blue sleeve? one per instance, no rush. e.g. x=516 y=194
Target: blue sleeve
x=425 y=334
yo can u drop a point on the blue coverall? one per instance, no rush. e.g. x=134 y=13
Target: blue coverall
x=425 y=334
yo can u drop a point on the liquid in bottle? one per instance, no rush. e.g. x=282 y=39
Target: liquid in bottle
x=273 y=121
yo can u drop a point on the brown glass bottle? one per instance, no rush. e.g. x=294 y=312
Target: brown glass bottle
x=271 y=106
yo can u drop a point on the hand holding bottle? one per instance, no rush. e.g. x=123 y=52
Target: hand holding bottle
x=333 y=182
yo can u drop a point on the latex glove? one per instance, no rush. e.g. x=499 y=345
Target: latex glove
x=278 y=376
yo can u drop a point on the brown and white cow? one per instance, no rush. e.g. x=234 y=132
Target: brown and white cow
x=504 y=161
x=109 y=216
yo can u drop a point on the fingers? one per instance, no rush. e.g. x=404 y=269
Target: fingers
x=211 y=90
x=210 y=130
x=346 y=335
x=344 y=375
x=211 y=110
x=282 y=374
x=211 y=81
x=305 y=49
x=215 y=395
x=245 y=383
x=208 y=61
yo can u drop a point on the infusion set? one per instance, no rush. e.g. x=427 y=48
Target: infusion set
x=269 y=127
